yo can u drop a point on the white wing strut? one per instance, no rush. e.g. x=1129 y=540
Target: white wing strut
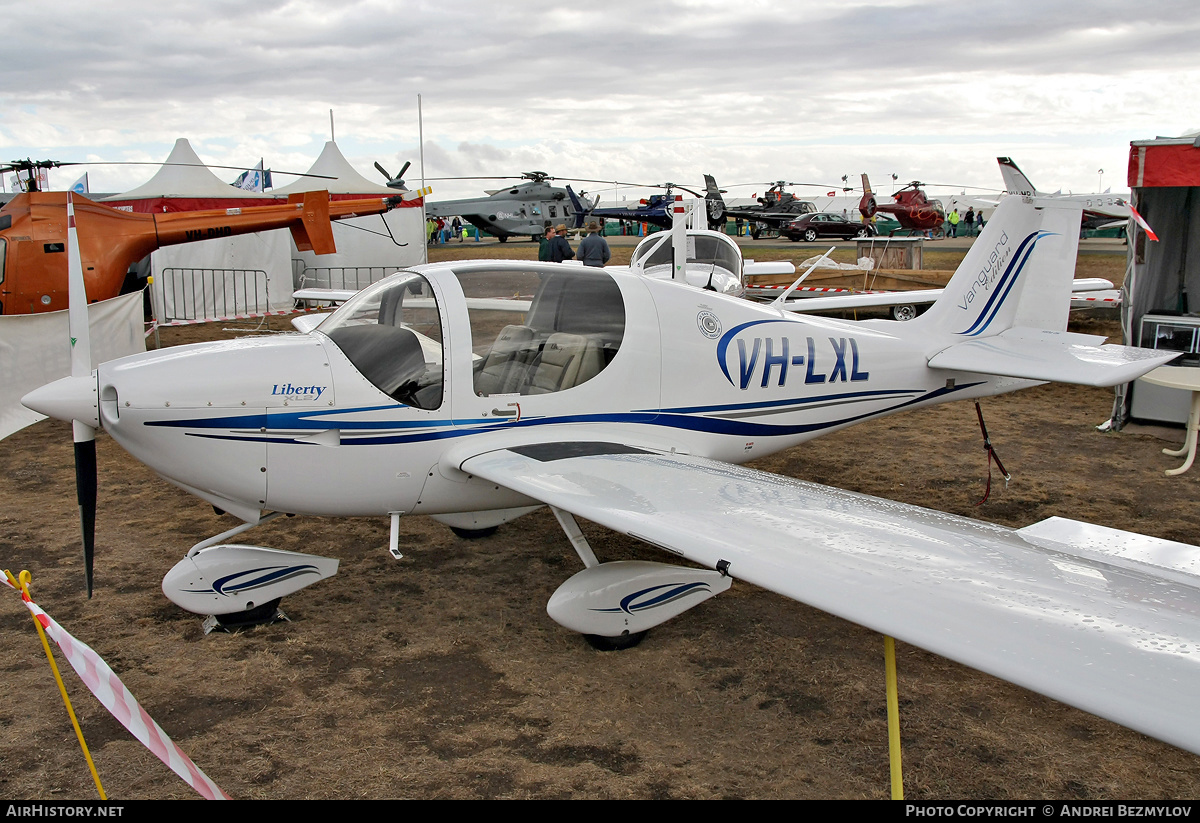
x=1103 y=620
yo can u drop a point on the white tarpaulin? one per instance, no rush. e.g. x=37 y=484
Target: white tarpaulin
x=35 y=349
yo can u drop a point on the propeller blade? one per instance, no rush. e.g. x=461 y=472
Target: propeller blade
x=77 y=313
x=81 y=367
x=85 y=492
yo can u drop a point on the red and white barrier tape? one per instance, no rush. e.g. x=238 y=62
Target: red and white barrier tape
x=112 y=694
x=817 y=289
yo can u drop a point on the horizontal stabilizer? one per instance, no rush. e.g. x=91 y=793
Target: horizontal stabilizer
x=1041 y=354
x=753 y=268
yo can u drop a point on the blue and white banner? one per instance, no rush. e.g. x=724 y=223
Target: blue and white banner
x=80 y=186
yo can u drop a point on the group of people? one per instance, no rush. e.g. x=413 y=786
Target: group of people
x=437 y=230
x=593 y=249
x=968 y=220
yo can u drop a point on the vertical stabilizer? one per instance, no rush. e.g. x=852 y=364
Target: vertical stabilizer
x=714 y=204
x=1015 y=181
x=1017 y=273
x=577 y=206
x=867 y=206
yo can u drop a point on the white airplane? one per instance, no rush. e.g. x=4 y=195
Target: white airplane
x=1099 y=210
x=475 y=391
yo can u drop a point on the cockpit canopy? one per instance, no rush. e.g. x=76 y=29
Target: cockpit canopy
x=714 y=260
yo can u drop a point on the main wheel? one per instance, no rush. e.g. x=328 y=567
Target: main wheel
x=615 y=644
x=504 y=238
x=250 y=617
x=906 y=312
x=474 y=534
x=810 y=235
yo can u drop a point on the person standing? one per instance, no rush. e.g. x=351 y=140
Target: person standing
x=456 y=228
x=970 y=221
x=560 y=249
x=952 y=219
x=544 y=245
x=593 y=251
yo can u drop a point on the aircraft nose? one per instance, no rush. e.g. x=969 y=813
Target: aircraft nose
x=71 y=398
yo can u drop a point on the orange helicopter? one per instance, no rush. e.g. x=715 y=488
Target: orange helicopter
x=33 y=239
x=911 y=208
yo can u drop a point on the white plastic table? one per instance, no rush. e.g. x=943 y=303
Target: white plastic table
x=1188 y=378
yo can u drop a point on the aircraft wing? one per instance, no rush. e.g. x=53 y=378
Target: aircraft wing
x=1086 y=292
x=514 y=304
x=1041 y=354
x=1104 y=620
x=324 y=295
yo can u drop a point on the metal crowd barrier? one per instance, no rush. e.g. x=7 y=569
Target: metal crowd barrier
x=197 y=295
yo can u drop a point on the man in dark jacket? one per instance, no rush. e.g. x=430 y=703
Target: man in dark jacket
x=593 y=251
x=560 y=249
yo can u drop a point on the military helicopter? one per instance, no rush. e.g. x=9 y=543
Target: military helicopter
x=914 y=211
x=775 y=209
x=524 y=209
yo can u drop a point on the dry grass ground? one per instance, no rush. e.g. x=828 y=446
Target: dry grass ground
x=441 y=675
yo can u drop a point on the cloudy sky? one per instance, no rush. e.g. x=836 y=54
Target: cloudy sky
x=653 y=90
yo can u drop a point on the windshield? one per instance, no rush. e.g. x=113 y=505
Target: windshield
x=392 y=334
x=712 y=250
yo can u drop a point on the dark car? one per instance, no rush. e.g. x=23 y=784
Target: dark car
x=810 y=227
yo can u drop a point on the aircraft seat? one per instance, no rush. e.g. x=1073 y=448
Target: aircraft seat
x=567 y=360
x=506 y=365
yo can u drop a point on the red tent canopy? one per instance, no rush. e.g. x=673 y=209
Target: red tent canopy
x=1164 y=162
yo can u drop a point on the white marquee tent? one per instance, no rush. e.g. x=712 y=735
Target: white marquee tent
x=210 y=279
x=369 y=247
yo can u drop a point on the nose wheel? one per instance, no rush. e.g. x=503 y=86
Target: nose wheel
x=615 y=644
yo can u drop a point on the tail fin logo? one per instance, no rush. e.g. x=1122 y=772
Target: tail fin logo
x=992 y=286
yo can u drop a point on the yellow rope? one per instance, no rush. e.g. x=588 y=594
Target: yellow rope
x=24 y=586
x=893 y=711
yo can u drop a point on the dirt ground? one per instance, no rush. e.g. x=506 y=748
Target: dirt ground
x=440 y=676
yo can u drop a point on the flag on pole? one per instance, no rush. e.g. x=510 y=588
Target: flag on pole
x=1137 y=218
x=80 y=186
x=254 y=179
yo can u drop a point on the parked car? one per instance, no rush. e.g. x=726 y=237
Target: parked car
x=810 y=227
